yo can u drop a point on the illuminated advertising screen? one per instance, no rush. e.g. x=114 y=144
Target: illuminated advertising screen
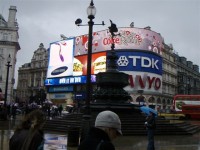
x=130 y=38
x=139 y=61
x=68 y=80
x=61 y=55
x=98 y=64
x=144 y=69
x=145 y=81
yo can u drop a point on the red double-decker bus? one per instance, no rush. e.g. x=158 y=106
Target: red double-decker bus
x=191 y=111
x=188 y=105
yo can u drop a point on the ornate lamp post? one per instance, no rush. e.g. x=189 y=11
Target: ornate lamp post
x=6 y=89
x=91 y=11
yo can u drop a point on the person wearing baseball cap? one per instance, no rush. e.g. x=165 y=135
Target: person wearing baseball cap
x=107 y=127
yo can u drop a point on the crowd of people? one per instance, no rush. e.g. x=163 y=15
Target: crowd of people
x=29 y=136
x=14 y=109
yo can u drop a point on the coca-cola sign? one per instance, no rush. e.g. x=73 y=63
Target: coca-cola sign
x=128 y=38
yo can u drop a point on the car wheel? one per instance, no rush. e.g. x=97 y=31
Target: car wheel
x=187 y=116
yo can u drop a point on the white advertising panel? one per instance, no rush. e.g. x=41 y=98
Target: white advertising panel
x=148 y=82
x=61 y=59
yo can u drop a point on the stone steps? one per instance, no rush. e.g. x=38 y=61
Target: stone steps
x=132 y=124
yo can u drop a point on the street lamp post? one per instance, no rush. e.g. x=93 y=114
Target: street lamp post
x=6 y=89
x=91 y=11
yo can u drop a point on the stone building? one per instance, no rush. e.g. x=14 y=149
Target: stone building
x=169 y=82
x=188 y=76
x=8 y=46
x=31 y=77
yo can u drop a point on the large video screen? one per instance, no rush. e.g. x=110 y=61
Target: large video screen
x=129 y=38
x=98 y=64
x=61 y=56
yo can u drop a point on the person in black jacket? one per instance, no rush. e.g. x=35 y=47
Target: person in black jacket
x=28 y=135
x=107 y=127
x=151 y=126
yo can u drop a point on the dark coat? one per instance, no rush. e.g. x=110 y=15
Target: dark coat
x=151 y=122
x=20 y=136
x=95 y=138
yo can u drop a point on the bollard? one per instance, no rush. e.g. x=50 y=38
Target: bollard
x=73 y=137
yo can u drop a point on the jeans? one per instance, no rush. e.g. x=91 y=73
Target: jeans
x=150 y=140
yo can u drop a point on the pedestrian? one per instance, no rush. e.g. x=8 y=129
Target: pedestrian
x=107 y=127
x=150 y=126
x=60 y=109
x=28 y=135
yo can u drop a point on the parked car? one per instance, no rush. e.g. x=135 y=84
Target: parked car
x=171 y=116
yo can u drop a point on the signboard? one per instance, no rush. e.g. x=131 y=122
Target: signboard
x=61 y=58
x=60 y=96
x=139 y=61
x=68 y=80
x=148 y=82
x=130 y=38
x=98 y=64
x=55 y=89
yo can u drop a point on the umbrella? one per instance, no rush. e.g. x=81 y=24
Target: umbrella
x=54 y=106
x=147 y=110
x=48 y=102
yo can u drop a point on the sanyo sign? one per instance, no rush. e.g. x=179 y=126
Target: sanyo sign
x=144 y=69
x=148 y=82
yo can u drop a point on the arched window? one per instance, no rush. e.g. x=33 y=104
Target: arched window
x=140 y=99
x=159 y=101
x=151 y=99
x=164 y=101
x=168 y=101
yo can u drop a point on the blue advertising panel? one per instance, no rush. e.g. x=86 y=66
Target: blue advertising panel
x=61 y=55
x=139 y=61
x=53 y=89
x=68 y=80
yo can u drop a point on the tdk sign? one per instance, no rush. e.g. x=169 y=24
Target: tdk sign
x=139 y=61
x=145 y=61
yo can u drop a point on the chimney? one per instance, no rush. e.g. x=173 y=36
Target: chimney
x=12 y=16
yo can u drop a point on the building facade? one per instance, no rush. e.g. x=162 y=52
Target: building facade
x=188 y=76
x=31 y=77
x=169 y=88
x=9 y=45
x=154 y=70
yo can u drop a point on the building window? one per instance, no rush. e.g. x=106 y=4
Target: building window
x=5 y=36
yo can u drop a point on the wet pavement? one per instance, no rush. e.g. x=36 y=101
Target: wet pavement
x=57 y=141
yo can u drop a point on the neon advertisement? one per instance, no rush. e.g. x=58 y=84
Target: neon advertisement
x=68 y=80
x=98 y=64
x=61 y=58
x=130 y=38
x=148 y=82
x=139 y=61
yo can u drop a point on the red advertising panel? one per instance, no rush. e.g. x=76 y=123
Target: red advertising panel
x=98 y=64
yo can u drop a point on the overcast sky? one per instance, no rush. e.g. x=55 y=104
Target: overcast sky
x=42 y=21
